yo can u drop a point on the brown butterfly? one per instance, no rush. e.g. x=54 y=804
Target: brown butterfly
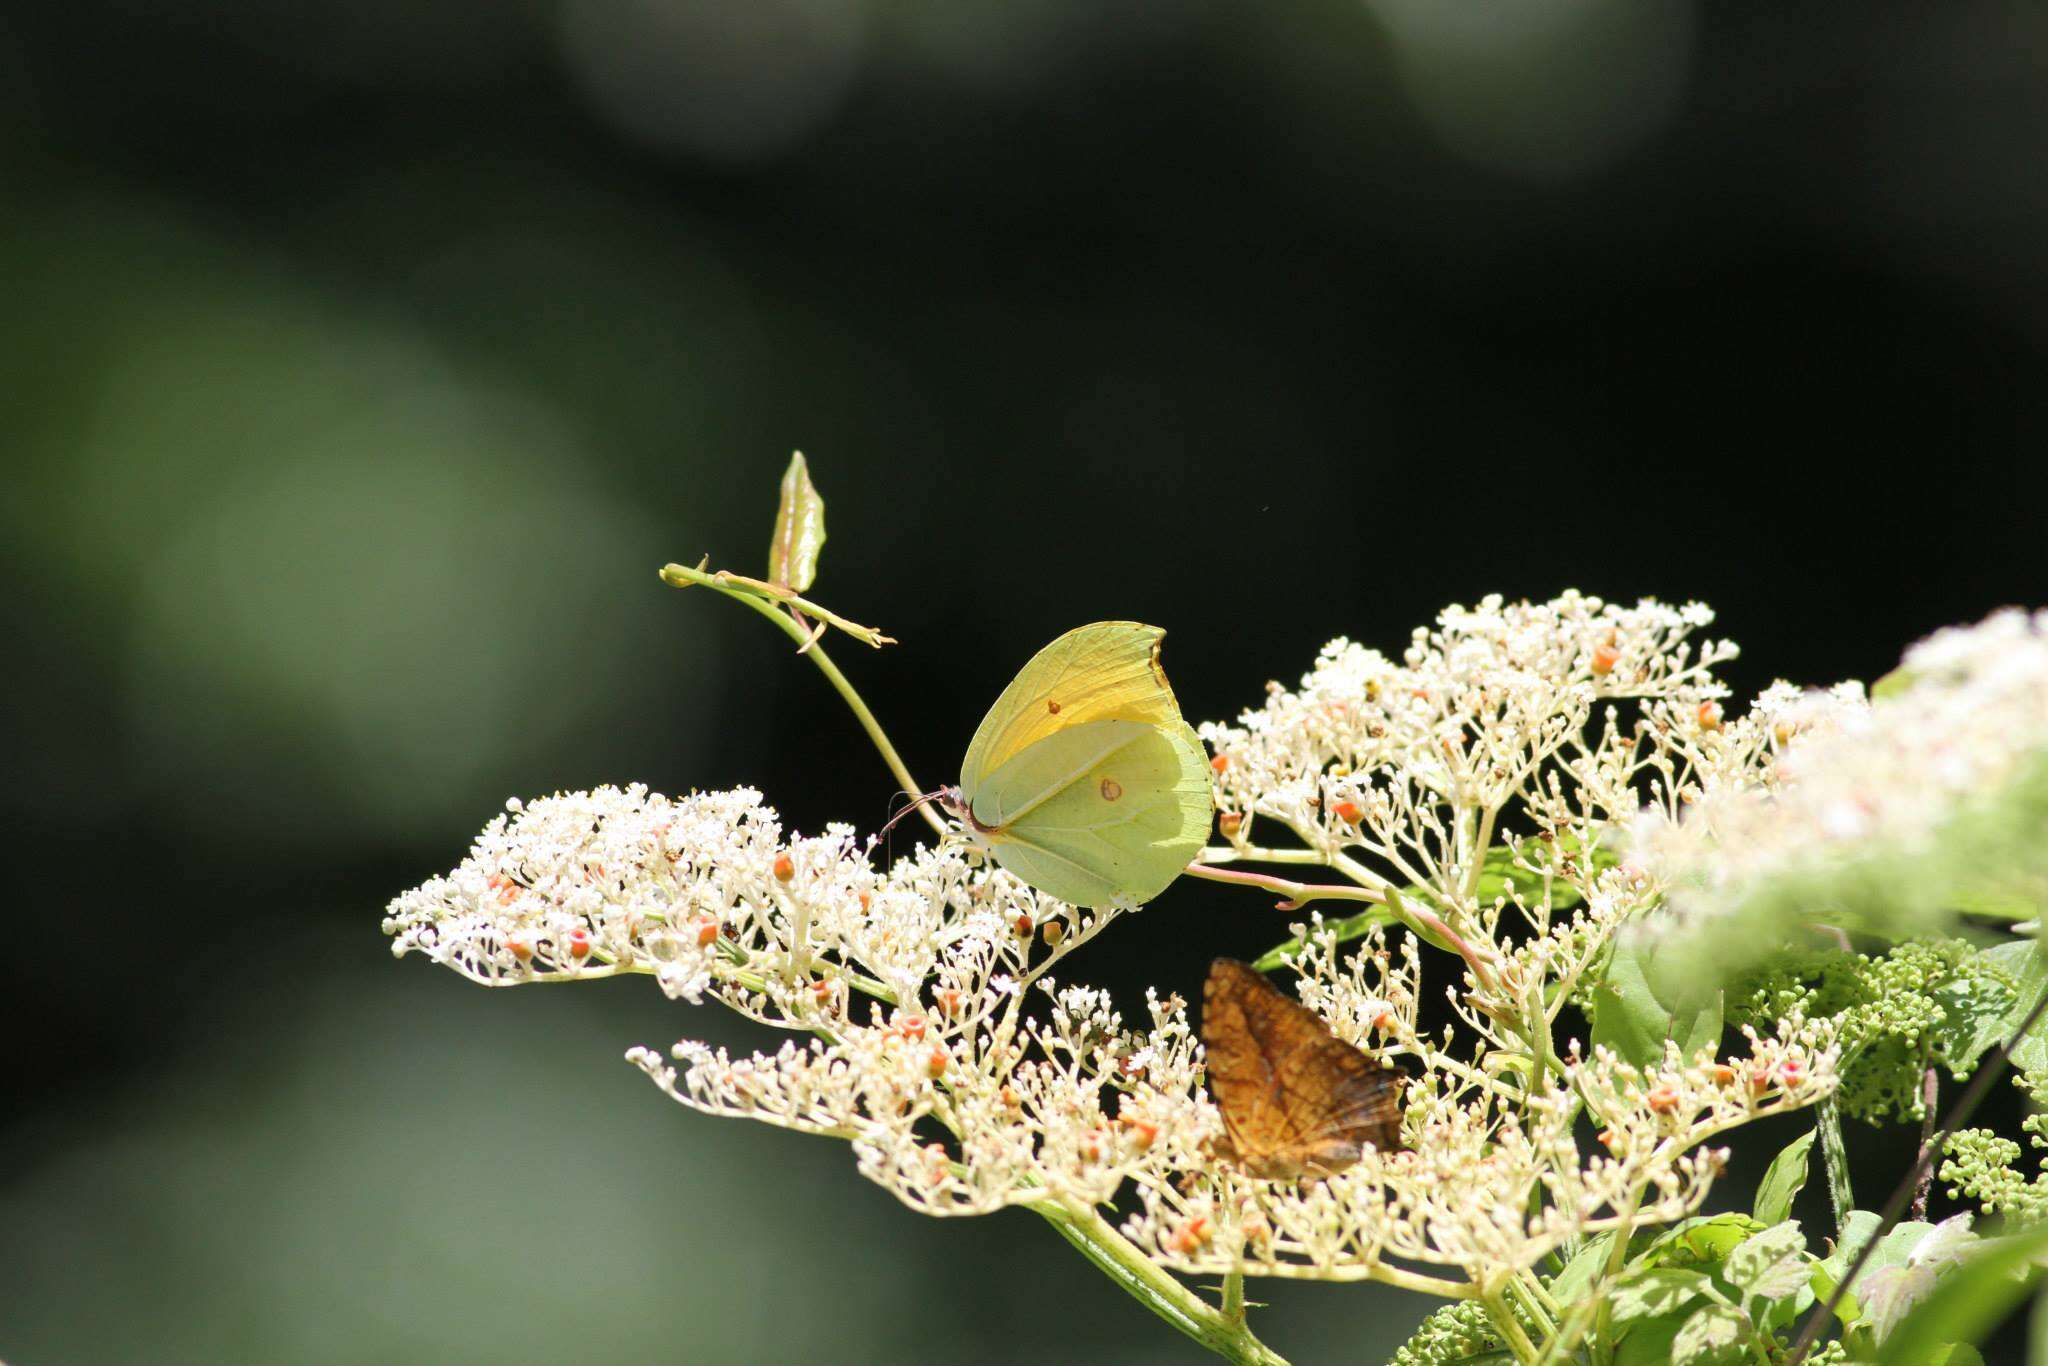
x=1297 y=1101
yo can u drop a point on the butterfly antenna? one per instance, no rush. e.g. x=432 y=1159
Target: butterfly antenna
x=920 y=799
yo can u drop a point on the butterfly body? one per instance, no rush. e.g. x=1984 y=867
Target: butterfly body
x=1083 y=779
x=1297 y=1101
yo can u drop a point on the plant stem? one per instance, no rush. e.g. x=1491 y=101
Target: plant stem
x=1617 y=1257
x=1299 y=894
x=1835 y=1158
x=1154 y=1288
x=1930 y=1091
x=1519 y=1288
x=681 y=576
x=1233 y=1296
x=1510 y=1327
x=1230 y=853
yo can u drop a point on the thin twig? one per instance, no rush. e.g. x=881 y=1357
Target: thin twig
x=681 y=576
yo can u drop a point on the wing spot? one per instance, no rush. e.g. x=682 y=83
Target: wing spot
x=1052 y=708
x=1111 y=789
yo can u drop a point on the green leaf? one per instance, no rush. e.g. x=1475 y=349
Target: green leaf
x=1702 y=1239
x=1337 y=931
x=1642 y=1002
x=1502 y=872
x=1956 y=1354
x=1648 y=1343
x=1859 y=1228
x=1905 y=1267
x=1772 y=1264
x=1892 y=684
x=1659 y=1290
x=799 y=529
x=1784 y=1180
x=2026 y=962
x=1970 y=1301
x=1711 y=1334
x=1582 y=1272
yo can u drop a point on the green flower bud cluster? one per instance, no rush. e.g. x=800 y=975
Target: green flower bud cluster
x=1455 y=1333
x=1917 y=1004
x=1979 y=1164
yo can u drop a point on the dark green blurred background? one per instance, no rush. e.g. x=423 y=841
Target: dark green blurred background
x=362 y=360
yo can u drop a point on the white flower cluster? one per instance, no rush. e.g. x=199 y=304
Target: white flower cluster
x=966 y=1081
x=1880 y=814
x=1460 y=1196
x=1401 y=776
x=704 y=893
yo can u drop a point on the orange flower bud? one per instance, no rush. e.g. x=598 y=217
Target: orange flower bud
x=1349 y=812
x=707 y=933
x=1052 y=932
x=1604 y=660
x=1230 y=822
x=784 y=868
x=1724 y=1075
x=1220 y=762
x=1710 y=716
x=935 y=1063
x=579 y=943
x=1663 y=1100
x=1190 y=1236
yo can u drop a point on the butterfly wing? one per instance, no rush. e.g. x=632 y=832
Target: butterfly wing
x=1106 y=671
x=1101 y=811
x=1296 y=1100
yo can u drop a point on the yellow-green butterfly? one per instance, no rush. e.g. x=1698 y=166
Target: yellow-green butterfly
x=1083 y=779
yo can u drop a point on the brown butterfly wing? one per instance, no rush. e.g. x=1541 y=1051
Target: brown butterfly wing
x=1296 y=1099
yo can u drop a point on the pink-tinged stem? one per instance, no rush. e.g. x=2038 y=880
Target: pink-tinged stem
x=1298 y=894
